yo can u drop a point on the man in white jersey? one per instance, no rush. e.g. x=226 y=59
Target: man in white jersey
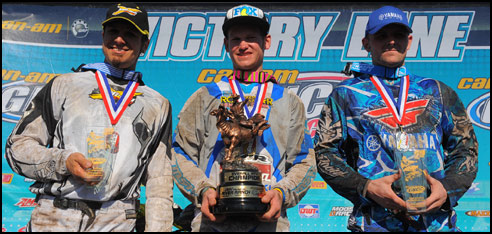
x=91 y=138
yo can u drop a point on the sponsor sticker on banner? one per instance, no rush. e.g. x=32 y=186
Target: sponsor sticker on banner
x=478 y=213
x=7 y=178
x=26 y=202
x=318 y=185
x=341 y=210
x=309 y=210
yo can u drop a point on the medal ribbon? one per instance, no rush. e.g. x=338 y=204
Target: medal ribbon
x=397 y=109
x=115 y=110
x=252 y=77
x=380 y=71
x=260 y=96
x=113 y=71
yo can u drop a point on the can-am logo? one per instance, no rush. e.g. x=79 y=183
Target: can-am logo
x=479 y=111
x=314 y=88
x=16 y=97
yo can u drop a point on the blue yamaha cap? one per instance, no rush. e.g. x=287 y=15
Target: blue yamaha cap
x=384 y=16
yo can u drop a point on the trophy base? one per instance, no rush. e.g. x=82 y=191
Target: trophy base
x=240 y=206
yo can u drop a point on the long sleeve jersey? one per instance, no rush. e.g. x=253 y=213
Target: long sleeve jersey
x=60 y=119
x=285 y=149
x=356 y=139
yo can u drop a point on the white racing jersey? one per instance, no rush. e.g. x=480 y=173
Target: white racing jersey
x=69 y=115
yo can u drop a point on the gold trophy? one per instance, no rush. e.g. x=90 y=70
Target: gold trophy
x=413 y=180
x=240 y=189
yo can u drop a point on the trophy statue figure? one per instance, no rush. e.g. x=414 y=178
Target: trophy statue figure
x=240 y=188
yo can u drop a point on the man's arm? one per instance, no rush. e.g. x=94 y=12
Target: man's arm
x=187 y=142
x=331 y=158
x=300 y=167
x=29 y=149
x=159 y=184
x=460 y=146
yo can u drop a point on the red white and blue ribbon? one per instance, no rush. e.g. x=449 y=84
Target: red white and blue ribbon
x=260 y=96
x=115 y=110
x=397 y=109
x=252 y=77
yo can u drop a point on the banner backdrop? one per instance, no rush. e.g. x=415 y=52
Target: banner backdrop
x=311 y=43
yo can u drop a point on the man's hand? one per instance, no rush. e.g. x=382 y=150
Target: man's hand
x=380 y=191
x=275 y=199
x=209 y=199
x=437 y=197
x=77 y=165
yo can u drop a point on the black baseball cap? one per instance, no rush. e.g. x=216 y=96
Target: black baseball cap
x=245 y=14
x=130 y=12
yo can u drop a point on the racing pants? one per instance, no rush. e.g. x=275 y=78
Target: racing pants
x=62 y=215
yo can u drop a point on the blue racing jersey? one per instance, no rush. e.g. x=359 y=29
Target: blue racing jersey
x=356 y=139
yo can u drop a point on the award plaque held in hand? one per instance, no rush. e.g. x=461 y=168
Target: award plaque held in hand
x=240 y=188
x=102 y=147
x=413 y=180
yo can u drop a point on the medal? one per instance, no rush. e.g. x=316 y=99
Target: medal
x=402 y=141
x=115 y=110
x=397 y=109
x=260 y=96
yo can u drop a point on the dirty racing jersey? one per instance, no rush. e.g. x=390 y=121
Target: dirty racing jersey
x=357 y=135
x=69 y=115
x=286 y=158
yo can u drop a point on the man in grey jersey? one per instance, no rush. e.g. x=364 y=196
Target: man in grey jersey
x=286 y=156
x=91 y=138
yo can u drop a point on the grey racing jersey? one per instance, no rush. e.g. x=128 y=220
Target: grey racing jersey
x=68 y=115
x=286 y=153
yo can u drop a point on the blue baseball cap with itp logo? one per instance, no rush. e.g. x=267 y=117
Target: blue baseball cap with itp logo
x=384 y=16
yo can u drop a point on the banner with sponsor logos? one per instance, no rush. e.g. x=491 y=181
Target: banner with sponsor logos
x=310 y=46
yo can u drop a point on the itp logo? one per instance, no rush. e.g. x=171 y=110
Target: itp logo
x=479 y=111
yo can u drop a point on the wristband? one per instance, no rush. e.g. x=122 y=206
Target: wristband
x=200 y=198
x=281 y=193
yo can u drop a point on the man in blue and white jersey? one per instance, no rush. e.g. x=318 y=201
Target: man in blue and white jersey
x=286 y=158
x=367 y=118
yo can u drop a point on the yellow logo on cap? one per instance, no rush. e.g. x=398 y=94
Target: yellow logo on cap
x=131 y=11
x=244 y=12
